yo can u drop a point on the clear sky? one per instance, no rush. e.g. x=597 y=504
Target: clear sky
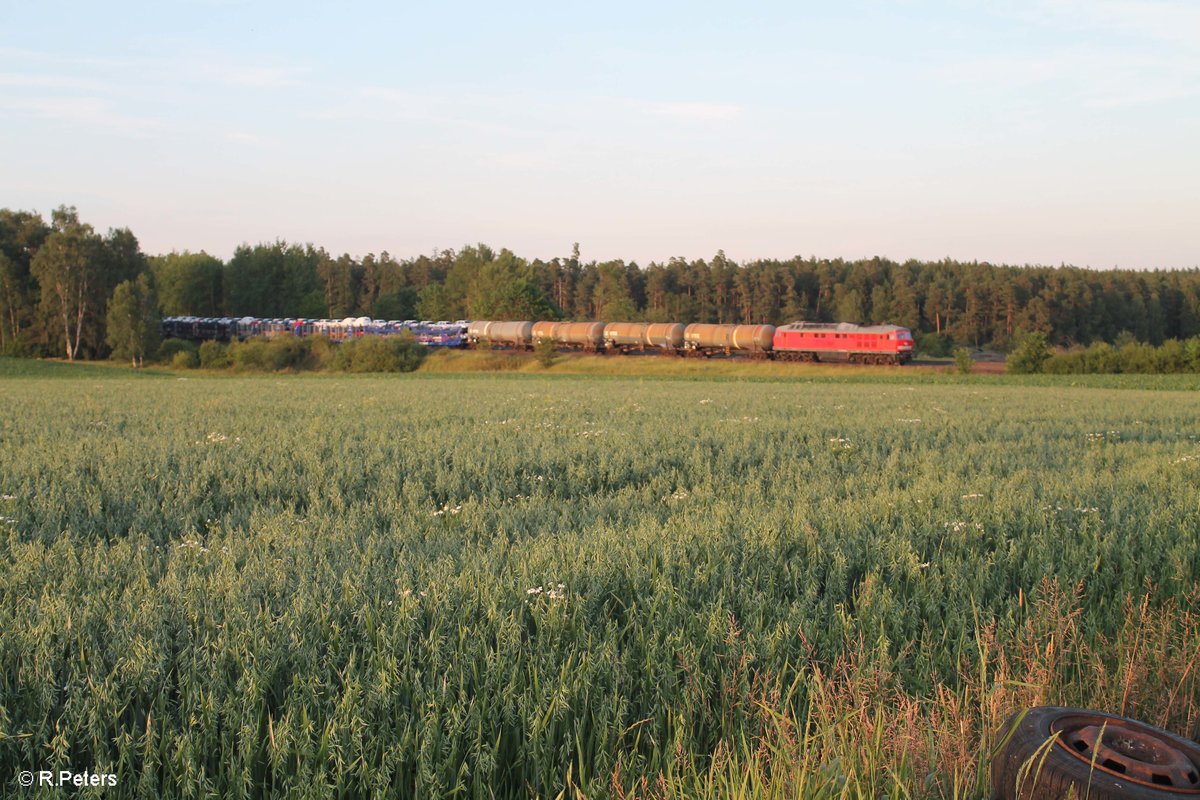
x=1041 y=132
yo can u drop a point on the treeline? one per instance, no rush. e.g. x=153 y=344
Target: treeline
x=57 y=278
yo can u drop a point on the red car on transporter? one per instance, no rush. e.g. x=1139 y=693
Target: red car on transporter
x=843 y=341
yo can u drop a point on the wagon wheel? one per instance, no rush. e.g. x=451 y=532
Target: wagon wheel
x=1047 y=752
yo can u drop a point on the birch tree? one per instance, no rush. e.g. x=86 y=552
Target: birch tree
x=68 y=271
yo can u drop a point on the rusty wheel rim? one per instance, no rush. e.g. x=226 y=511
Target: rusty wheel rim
x=1129 y=751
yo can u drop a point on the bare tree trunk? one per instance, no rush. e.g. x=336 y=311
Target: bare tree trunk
x=79 y=321
x=66 y=318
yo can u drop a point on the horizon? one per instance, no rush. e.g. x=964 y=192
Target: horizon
x=1038 y=133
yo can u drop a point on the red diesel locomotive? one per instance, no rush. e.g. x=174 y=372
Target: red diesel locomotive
x=843 y=341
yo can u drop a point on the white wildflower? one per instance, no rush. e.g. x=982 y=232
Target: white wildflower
x=959 y=525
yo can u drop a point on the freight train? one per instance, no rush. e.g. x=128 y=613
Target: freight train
x=797 y=341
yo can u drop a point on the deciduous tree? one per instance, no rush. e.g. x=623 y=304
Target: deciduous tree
x=188 y=283
x=67 y=269
x=132 y=329
x=505 y=289
x=21 y=234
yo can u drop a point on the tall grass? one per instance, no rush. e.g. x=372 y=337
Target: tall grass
x=863 y=735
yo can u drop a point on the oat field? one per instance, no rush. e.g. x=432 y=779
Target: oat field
x=539 y=586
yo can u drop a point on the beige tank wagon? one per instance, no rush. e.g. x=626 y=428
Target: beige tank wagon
x=588 y=336
x=545 y=332
x=706 y=340
x=517 y=335
x=628 y=337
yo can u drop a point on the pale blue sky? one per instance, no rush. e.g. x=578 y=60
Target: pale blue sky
x=1045 y=131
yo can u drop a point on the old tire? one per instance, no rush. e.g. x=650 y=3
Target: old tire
x=1047 y=752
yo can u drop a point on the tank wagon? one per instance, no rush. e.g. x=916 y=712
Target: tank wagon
x=545 y=332
x=585 y=336
x=707 y=340
x=843 y=341
x=630 y=337
x=517 y=335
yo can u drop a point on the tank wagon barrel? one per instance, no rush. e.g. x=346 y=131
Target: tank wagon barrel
x=478 y=330
x=623 y=335
x=707 y=339
x=582 y=335
x=665 y=335
x=629 y=336
x=518 y=335
x=545 y=332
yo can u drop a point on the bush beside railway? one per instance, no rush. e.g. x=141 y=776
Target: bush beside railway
x=1033 y=355
x=289 y=354
x=1134 y=358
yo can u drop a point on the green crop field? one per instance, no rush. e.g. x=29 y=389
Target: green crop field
x=522 y=585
